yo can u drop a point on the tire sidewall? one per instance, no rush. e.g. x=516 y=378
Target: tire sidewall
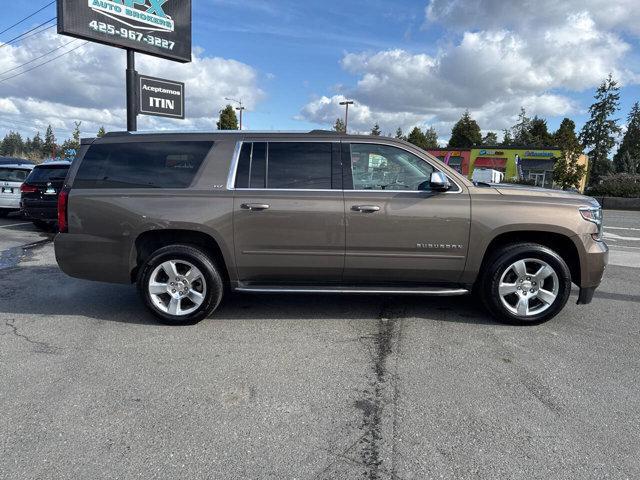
x=214 y=284
x=502 y=262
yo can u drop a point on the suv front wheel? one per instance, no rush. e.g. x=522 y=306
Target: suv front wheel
x=525 y=284
x=180 y=285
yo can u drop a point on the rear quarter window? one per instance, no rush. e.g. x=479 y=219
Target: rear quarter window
x=141 y=165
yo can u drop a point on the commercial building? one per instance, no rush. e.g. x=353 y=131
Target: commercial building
x=459 y=159
x=537 y=164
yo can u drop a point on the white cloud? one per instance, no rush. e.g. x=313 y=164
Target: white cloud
x=88 y=85
x=501 y=62
x=519 y=15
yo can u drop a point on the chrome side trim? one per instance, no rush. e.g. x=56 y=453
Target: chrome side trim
x=427 y=292
x=231 y=181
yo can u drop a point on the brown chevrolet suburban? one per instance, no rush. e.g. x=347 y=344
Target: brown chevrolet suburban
x=188 y=216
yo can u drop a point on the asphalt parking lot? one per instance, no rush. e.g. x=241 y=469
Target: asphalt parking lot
x=313 y=387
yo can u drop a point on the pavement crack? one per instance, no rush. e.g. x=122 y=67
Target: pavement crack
x=40 y=347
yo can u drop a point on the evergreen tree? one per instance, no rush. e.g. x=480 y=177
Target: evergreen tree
x=418 y=138
x=339 y=126
x=567 y=173
x=12 y=145
x=400 y=135
x=627 y=158
x=49 y=148
x=431 y=138
x=522 y=129
x=539 y=133
x=490 y=139
x=507 y=139
x=228 y=119
x=465 y=133
x=600 y=132
x=101 y=132
x=37 y=145
x=375 y=131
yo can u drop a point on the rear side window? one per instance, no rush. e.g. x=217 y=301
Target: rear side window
x=13 y=174
x=299 y=165
x=285 y=165
x=141 y=165
x=52 y=173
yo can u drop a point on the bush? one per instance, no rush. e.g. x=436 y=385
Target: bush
x=620 y=185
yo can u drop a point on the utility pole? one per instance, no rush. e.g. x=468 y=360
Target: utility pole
x=346 y=104
x=240 y=108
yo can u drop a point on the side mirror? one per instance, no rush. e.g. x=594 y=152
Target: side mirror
x=439 y=182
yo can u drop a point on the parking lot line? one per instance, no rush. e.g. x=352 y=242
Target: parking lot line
x=14 y=225
x=622 y=228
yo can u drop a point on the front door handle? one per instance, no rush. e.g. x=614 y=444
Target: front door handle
x=254 y=206
x=366 y=208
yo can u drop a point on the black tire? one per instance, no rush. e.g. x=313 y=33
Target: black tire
x=499 y=263
x=210 y=272
x=4 y=212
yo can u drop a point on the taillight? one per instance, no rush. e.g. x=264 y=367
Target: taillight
x=26 y=188
x=63 y=204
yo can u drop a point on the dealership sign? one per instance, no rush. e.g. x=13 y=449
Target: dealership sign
x=538 y=154
x=155 y=27
x=159 y=97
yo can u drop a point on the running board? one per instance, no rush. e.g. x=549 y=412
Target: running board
x=430 y=291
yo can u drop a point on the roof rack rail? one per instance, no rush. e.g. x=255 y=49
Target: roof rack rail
x=325 y=132
x=116 y=134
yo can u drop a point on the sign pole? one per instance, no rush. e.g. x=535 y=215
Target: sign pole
x=132 y=104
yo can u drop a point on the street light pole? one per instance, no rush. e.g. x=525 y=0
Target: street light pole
x=240 y=108
x=346 y=104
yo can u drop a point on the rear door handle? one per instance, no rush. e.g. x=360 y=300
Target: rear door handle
x=366 y=208
x=254 y=206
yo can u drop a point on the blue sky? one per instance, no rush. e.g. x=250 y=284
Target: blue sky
x=405 y=63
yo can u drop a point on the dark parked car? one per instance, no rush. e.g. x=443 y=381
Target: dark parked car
x=190 y=216
x=40 y=192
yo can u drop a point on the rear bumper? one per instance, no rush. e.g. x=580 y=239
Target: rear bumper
x=45 y=211
x=92 y=258
x=10 y=202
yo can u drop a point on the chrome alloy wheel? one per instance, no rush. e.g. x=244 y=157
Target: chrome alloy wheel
x=528 y=287
x=177 y=287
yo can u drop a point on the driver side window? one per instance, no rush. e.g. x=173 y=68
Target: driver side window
x=381 y=167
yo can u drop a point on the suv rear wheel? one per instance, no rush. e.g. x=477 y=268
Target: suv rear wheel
x=180 y=285
x=525 y=284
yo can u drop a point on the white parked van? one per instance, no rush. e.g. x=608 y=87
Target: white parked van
x=11 y=179
x=487 y=175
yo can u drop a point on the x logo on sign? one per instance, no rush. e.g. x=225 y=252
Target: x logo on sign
x=156 y=7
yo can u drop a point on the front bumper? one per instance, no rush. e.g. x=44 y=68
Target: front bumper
x=586 y=295
x=594 y=258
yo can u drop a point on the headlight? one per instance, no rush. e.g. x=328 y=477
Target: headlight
x=593 y=215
